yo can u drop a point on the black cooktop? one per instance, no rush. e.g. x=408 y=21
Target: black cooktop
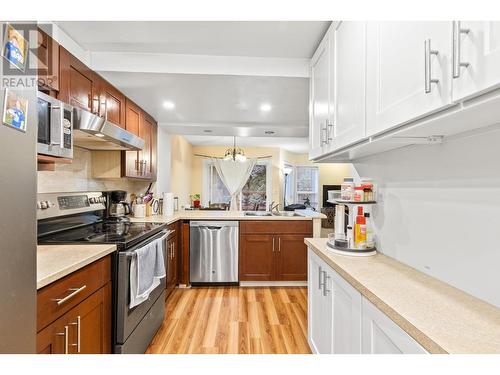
x=123 y=233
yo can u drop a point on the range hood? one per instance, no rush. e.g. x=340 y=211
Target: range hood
x=96 y=133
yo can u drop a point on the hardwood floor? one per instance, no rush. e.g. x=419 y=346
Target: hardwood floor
x=234 y=320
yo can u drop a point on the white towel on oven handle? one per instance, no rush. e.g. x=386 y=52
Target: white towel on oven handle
x=147 y=267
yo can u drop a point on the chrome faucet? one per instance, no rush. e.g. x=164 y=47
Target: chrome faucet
x=273 y=207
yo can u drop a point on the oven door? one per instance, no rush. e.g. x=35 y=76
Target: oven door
x=128 y=319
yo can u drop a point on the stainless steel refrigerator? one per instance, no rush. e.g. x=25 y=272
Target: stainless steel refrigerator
x=18 y=229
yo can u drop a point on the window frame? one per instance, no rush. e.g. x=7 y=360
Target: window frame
x=206 y=194
x=294 y=182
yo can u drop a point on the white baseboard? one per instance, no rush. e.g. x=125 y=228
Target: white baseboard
x=272 y=283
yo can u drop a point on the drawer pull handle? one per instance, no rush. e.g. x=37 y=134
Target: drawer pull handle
x=75 y=291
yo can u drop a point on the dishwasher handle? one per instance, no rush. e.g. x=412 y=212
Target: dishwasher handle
x=210 y=227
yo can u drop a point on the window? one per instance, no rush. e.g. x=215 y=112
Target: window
x=302 y=184
x=306 y=185
x=254 y=195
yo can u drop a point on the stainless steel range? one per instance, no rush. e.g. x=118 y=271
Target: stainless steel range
x=81 y=218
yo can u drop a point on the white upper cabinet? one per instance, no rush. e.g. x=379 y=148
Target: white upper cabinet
x=476 y=58
x=349 y=60
x=319 y=106
x=408 y=72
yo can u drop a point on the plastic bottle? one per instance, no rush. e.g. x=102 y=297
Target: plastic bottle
x=350 y=237
x=370 y=238
x=359 y=235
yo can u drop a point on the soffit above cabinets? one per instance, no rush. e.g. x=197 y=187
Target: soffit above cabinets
x=282 y=39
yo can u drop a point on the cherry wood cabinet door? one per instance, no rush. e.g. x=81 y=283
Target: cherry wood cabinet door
x=52 y=339
x=171 y=265
x=133 y=117
x=90 y=324
x=292 y=258
x=76 y=85
x=257 y=255
x=112 y=102
x=48 y=63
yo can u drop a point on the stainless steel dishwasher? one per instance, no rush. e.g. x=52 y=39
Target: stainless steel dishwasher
x=213 y=252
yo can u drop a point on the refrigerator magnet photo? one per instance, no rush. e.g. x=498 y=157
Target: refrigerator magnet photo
x=15 y=48
x=15 y=110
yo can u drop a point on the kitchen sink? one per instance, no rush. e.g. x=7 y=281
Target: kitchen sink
x=285 y=213
x=268 y=213
x=258 y=213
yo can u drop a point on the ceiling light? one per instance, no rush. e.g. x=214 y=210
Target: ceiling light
x=235 y=154
x=269 y=132
x=265 y=107
x=168 y=104
x=99 y=135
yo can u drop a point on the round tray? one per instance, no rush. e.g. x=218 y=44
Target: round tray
x=351 y=252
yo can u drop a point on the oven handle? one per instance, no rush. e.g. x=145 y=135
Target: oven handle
x=161 y=236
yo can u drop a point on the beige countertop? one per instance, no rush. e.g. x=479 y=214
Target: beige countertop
x=441 y=318
x=53 y=262
x=225 y=215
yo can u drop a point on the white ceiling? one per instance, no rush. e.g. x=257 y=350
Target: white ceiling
x=152 y=62
x=286 y=39
x=227 y=105
x=296 y=145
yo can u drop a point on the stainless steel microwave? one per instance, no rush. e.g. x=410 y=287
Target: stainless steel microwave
x=55 y=127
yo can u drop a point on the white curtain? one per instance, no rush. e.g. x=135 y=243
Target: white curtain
x=234 y=176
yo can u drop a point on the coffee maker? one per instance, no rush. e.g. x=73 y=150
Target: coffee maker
x=117 y=208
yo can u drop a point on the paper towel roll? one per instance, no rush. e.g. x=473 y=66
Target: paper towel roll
x=168 y=204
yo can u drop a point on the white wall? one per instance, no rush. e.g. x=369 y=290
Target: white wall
x=164 y=161
x=440 y=210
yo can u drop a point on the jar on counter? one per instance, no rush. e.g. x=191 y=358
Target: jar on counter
x=347 y=189
x=359 y=195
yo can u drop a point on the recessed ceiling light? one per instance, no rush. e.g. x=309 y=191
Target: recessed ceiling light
x=269 y=132
x=168 y=104
x=207 y=131
x=99 y=135
x=265 y=107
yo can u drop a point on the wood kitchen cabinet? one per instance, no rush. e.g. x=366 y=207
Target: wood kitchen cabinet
x=140 y=164
x=76 y=85
x=48 y=64
x=273 y=251
x=172 y=262
x=111 y=102
x=74 y=313
x=257 y=260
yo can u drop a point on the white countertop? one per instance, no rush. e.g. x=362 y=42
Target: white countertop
x=225 y=215
x=441 y=318
x=53 y=262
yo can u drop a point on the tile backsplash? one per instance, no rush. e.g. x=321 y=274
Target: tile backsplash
x=78 y=177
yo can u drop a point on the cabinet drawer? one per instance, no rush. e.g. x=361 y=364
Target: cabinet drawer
x=59 y=297
x=276 y=227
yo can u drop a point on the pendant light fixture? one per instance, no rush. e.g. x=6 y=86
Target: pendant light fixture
x=235 y=153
